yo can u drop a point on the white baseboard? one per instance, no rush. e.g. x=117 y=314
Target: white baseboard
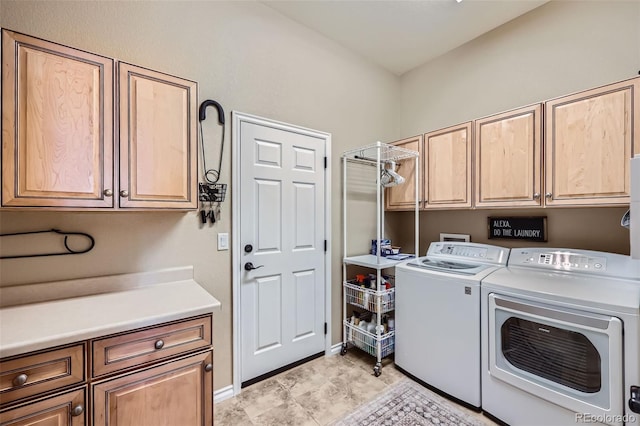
x=222 y=394
x=335 y=349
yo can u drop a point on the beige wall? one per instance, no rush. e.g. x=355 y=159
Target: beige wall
x=589 y=229
x=556 y=49
x=250 y=59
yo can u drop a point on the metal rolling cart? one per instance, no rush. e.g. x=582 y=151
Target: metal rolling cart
x=380 y=299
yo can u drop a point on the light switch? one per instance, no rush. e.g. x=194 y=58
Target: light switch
x=223 y=241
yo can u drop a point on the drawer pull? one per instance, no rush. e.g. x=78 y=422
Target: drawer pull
x=159 y=344
x=208 y=367
x=77 y=410
x=20 y=380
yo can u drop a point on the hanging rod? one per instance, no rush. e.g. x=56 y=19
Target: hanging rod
x=57 y=231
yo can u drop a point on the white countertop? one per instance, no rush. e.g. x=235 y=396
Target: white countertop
x=98 y=307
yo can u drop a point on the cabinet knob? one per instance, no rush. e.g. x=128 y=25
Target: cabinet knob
x=548 y=195
x=159 y=344
x=108 y=192
x=20 y=380
x=124 y=193
x=536 y=195
x=208 y=367
x=77 y=410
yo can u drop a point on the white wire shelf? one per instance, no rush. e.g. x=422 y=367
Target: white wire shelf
x=372 y=261
x=368 y=299
x=369 y=154
x=369 y=342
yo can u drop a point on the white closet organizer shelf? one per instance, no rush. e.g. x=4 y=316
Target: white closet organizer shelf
x=368 y=299
x=369 y=342
x=379 y=301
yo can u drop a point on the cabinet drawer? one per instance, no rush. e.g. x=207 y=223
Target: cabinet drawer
x=143 y=346
x=32 y=374
x=67 y=409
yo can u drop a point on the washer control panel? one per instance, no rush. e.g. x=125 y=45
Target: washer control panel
x=477 y=252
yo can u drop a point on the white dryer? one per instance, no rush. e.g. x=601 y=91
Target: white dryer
x=560 y=338
x=438 y=316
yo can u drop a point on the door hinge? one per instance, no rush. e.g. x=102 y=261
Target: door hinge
x=325 y=162
x=325 y=328
x=325 y=246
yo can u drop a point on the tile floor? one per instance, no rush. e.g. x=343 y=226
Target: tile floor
x=315 y=393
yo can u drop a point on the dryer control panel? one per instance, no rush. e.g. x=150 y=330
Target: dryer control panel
x=569 y=261
x=574 y=260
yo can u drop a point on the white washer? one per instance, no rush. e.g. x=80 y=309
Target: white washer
x=560 y=338
x=438 y=316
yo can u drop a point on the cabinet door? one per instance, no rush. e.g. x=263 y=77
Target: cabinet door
x=447 y=167
x=57 y=125
x=589 y=144
x=508 y=158
x=402 y=197
x=67 y=409
x=158 y=140
x=177 y=393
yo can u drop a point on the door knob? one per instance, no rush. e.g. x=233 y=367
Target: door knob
x=634 y=401
x=249 y=266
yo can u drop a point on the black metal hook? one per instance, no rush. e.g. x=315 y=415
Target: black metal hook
x=202 y=111
x=59 y=232
x=67 y=234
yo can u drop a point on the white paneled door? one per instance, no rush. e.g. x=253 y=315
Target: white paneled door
x=282 y=246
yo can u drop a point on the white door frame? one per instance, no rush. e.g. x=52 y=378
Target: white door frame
x=238 y=118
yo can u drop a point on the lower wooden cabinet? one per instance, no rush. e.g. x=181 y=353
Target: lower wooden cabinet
x=67 y=409
x=177 y=393
x=160 y=375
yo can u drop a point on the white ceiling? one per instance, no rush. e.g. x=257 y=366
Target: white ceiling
x=400 y=35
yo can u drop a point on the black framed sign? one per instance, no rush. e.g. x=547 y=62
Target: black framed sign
x=532 y=228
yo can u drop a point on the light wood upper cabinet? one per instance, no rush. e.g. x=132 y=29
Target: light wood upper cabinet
x=158 y=139
x=589 y=144
x=402 y=197
x=57 y=125
x=447 y=167
x=58 y=109
x=508 y=158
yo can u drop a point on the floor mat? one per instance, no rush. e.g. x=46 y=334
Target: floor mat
x=408 y=403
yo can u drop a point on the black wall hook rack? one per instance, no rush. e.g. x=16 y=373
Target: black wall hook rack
x=56 y=231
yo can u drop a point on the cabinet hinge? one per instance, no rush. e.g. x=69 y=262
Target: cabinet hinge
x=325 y=162
x=325 y=328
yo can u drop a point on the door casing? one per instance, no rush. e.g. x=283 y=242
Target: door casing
x=238 y=118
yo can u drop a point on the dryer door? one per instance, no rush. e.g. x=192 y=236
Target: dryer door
x=568 y=357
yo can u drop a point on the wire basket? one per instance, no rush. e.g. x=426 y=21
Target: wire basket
x=212 y=192
x=368 y=299
x=368 y=342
